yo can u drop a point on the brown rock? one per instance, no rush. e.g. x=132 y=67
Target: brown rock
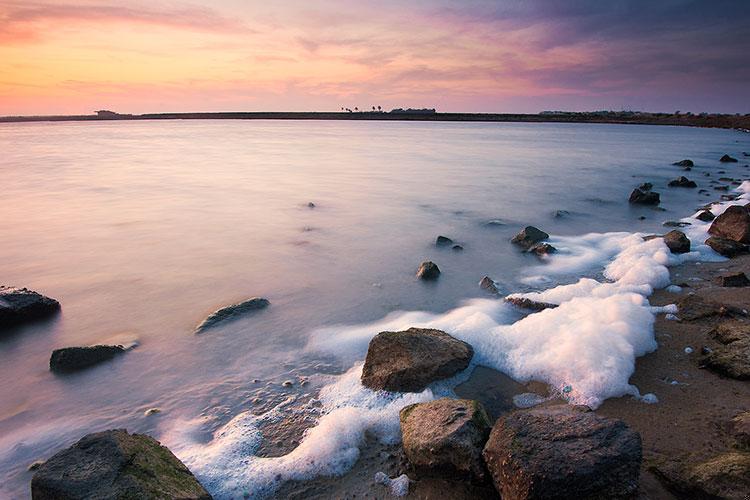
x=410 y=360
x=525 y=303
x=677 y=242
x=428 y=271
x=732 y=280
x=730 y=331
x=69 y=359
x=488 y=284
x=640 y=197
x=740 y=430
x=733 y=224
x=732 y=360
x=705 y=216
x=542 y=249
x=529 y=236
x=693 y=307
x=725 y=247
x=446 y=437
x=725 y=476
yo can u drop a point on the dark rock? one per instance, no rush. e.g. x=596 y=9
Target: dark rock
x=682 y=181
x=727 y=159
x=428 y=270
x=488 y=284
x=559 y=214
x=408 y=361
x=446 y=437
x=457 y=248
x=20 y=305
x=69 y=359
x=646 y=186
x=733 y=224
x=232 y=312
x=115 y=465
x=542 y=249
x=677 y=242
x=740 y=430
x=641 y=197
x=721 y=188
x=727 y=332
x=732 y=359
x=674 y=223
x=310 y=205
x=642 y=217
x=563 y=452
x=732 y=280
x=725 y=247
x=532 y=305
x=529 y=236
x=495 y=223
x=693 y=307
x=443 y=241
x=684 y=163
x=725 y=476
x=705 y=216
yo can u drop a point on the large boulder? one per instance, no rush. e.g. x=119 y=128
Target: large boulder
x=428 y=271
x=528 y=237
x=115 y=465
x=20 y=305
x=677 y=242
x=446 y=437
x=232 y=312
x=733 y=224
x=409 y=360
x=563 y=452
x=640 y=197
x=70 y=359
x=727 y=159
x=725 y=247
x=682 y=181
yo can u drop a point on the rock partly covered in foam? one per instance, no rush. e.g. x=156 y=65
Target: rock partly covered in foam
x=488 y=284
x=682 y=181
x=563 y=452
x=232 y=312
x=641 y=197
x=732 y=280
x=428 y=271
x=525 y=303
x=677 y=242
x=733 y=224
x=446 y=437
x=542 y=249
x=528 y=237
x=20 y=305
x=726 y=247
x=727 y=159
x=69 y=359
x=409 y=360
x=115 y=464
x=705 y=216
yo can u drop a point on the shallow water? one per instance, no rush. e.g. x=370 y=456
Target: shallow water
x=141 y=229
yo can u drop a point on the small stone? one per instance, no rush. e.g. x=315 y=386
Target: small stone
x=684 y=163
x=682 y=181
x=705 y=216
x=443 y=241
x=488 y=284
x=428 y=271
x=310 y=205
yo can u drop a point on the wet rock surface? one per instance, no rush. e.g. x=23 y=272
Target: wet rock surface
x=542 y=249
x=641 y=197
x=682 y=181
x=21 y=305
x=529 y=304
x=684 y=163
x=70 y=359
x=724 y=476
x=726 y=247
x=488 y=284
x=409 y=360
x=727 y=159
x=563 y=452
x=677 y=242
x=446 y=437
x=428 y=271
x=733 y=224
x=705 y=216
x=528 y=237
x=732 y=280
x=115 y=464
x=233 y=312
x=443 y=241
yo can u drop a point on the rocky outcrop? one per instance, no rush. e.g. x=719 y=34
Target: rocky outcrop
x=727 y=159
x=428 y=271
x=115 y=464
x=532 y=305
x=445 y=437
x=528 y=237
x=70 y=359
x=232 y=312
x=488 y=284
x=641 y=197
x=677 y=242
x=732 y=280
x=409 y=360
x=733 y=224
x=21 y=305
x=563 y=452
x=725 y=476
x=705 y=216
x=682 y=181
x=443 y=241
x=684 y=163
x=725 y=247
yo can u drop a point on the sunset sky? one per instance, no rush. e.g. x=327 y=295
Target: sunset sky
x=76 y=56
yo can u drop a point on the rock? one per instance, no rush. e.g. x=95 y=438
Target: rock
x=21 y=305
x=733 y=224
x=724 y=476
x=677 y=242
x=35 y=465
x=70 y=359
x=542 y=249
x=740 y=430
x=559 y=214
x=721 y=188
x=529 y=236
x=457 y=248
x=729 y=197
x=727 y=332
x=563 y=452
x=684 y=163
x=151 y=411
x=641 y=197
x=408 y=361
x=732 y=280
x=525 y=303
x=646 y=186
x=675 y=223
x=727 y=159
x=446 y=437
x=115 y=464
x=488 y=284
x=682 y=181
x=725 y=247
x=428 y=271
x=732 y=359
x=310 y=205
x=232 y=312
x=705 y=216
x=443 y=241
x=694 y=307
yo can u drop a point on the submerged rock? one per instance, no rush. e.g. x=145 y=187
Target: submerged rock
x=732 y=280
x=488 y=284
x=70 y=359
x=446 y=437
x=733 y=224
x=457 y=248
x=640 y=197
x=21 y=305
x=542 y=249
x=684 y=163
x=532 y=305
x=705 y=216
x=528 y=237
x=727 y=159
x=409 y=360
x=725 y=247
x=428 y=271
x=443 y=241
x=563 y=452
x=232 y=312
x=677 y=242
x=115 y=464
x=682 y=181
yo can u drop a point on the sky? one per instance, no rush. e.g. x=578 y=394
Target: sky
x=77 y=56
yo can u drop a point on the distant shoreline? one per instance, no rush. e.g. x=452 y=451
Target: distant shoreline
x=741 y=122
